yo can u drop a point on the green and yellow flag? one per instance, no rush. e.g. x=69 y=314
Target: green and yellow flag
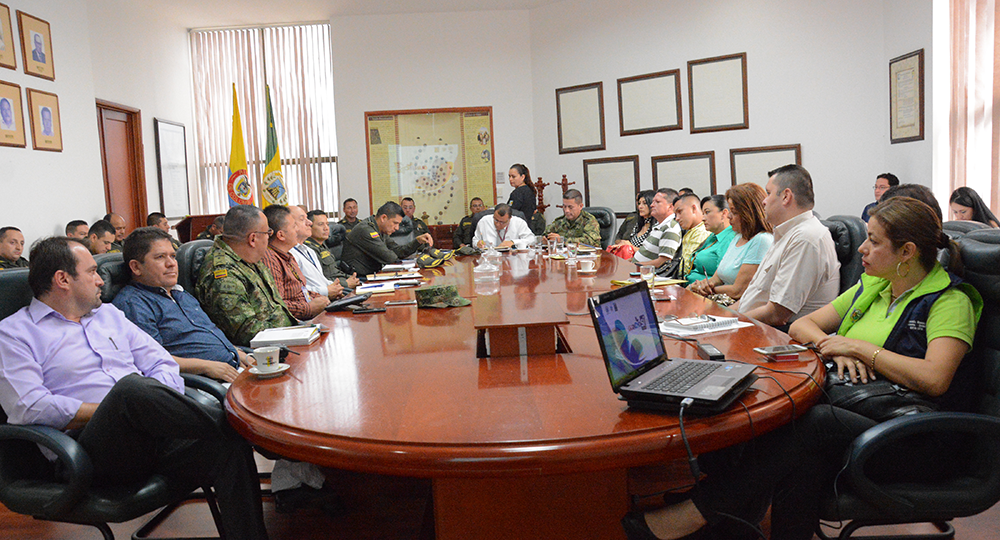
x=239 y=187
x=273 y=187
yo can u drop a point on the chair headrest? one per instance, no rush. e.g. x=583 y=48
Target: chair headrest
x=841 y=239
x=337 y=233
x=604 y=215
x=14 y=291
x=111 y=267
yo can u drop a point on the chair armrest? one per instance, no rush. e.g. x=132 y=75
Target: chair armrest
x=76 y=465
x=205 y=384
x=984 y=429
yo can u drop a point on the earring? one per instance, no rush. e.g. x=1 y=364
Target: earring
x=903 y=274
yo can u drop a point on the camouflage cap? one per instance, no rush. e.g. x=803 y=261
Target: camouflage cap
x=439 y=296
x=467 y=250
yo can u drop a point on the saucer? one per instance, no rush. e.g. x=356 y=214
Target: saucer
x=558 y=257
x=594 y=271
x=267 y=375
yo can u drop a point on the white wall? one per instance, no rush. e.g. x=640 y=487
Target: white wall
x=423 y=61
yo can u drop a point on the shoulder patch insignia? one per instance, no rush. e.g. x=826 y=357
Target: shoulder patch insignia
x=374 y=234
x=221 y=273
x=324 y=254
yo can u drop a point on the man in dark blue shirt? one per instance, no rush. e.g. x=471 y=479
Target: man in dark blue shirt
x=156 y=303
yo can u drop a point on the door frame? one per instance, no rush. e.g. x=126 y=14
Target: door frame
x=134 y=123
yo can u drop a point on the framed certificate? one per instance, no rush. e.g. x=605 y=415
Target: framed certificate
x=606 y=182
x=650 y=103
x=695 y=170
x=906 y=97
x=753 y=164
x=717 y=90
x=580 y=118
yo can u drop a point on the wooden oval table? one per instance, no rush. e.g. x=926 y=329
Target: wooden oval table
x=516 y=447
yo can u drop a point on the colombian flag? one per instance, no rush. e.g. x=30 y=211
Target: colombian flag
x=273 y=186
x=239 y=187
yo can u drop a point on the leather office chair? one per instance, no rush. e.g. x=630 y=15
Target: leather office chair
x=956 y=229
x=848 y=234
x=190 y=257
x=336 y=239
x=973 y=485
x=607 y=220
x=14 y=291
x=405 y=233
x=537 y=223
x=111 y=267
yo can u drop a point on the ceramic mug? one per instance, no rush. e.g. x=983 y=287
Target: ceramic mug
x=588 y=265
x=267 y=358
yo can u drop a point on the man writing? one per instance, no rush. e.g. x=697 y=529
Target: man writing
x=366 y=249
x=502 y=231
x=290 y=226
x=11 y=247
x=463 y=233
x=101 y=237
x=330 y=270
x=800 y=273
x=575 y=225
x=665 y=237
x=70 y=362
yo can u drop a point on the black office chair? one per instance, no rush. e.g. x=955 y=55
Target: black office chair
x=957 y=229
x=972 y=482
x=111 y=267
x=336 y=239
x=537 y=223
x=190 y=257
x=607 y=220
x=848 y=234
x=405 y=233
x=14 y=291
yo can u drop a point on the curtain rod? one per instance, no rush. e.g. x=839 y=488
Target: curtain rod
x=252 y=26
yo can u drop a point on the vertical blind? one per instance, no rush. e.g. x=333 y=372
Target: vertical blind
x=296 y=62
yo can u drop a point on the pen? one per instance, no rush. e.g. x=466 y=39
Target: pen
x=113 y=342
x=401 y=303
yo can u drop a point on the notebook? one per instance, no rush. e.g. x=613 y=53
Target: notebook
x=639 y=369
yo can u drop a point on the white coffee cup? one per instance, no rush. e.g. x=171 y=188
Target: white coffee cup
x=588 y=265
x=522 y=243
x=267 y=358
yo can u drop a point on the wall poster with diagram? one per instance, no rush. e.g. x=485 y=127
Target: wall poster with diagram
x=441 y=158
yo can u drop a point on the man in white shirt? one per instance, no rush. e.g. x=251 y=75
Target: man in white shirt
x=502 y=231
x=306 y=258
x=800 y=273
x=659 y=247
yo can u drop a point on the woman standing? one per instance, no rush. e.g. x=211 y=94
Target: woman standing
x=966 y=205
x=523 y=197
x=706 y=258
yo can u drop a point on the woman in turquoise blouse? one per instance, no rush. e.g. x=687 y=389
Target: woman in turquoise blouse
x=706 y=258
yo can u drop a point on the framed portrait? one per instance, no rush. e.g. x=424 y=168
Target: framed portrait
x=36 y=46
x=650 y=103
x=606 y=182
x=7 y=57
x=717 y=91
x=906 y=97
x=46 y=126
x=580 y=118
x=695 y=170
x=11 y=115
x=172 y=167
x=753 y=164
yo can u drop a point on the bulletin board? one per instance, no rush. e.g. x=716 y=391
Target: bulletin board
x=441 y=158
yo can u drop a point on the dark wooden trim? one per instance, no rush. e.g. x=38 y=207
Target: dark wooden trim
x=620 y=159
x=600 y=104
x=746 y=104
x=682 y=157
x=676 y=74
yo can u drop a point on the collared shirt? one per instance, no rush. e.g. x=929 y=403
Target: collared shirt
x=706 y=258
x=312 y=271
x=517 y=229
x=692 y=240
x=176 y=321
x=5 y=264
x=49 y=365
x=291 y=285
x=584 y=228
x=663 y=241
x=800 y=272
x=366 y=249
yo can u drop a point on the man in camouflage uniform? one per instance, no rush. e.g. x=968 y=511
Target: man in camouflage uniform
x=366 y=249
x=463 y=234
x=11 y=247
x=234 y=287
x=575 y=225
x=213 y=230
x=328 y=262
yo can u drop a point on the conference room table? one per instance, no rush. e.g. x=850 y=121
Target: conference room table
x=516 y=447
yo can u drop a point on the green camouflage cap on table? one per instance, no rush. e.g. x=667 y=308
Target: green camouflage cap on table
x=439 y=296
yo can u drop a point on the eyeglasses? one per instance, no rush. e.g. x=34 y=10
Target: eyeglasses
x=269 y=232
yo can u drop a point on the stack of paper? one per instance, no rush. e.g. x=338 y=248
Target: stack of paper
x=292 y=335
x=658 y=282
x=692 y=326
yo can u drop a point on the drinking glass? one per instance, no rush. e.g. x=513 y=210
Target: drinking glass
x=571 y=249
x=648 y=274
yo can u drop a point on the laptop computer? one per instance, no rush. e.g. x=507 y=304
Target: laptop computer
x=639 y=369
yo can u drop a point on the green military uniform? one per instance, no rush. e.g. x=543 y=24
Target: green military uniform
x=583 y=229
x=349 y=225
x=367 y=250
x=328 y=262
x=463 y=234
x=240 y=298
x=5 y=264
x=419 y=227
x=174 y=242
x=205 y=235
x=115 y=247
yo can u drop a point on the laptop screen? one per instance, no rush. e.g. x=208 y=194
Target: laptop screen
x=626 y=326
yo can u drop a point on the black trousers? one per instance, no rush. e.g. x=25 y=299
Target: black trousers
x=143 y=427
x=788 y=469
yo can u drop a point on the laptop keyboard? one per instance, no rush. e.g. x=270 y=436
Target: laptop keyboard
x=682 y=378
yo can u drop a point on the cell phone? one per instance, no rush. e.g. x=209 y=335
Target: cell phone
x=779 y=350
x=370 y=310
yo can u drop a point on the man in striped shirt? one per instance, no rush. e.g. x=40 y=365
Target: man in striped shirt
x=664 y=239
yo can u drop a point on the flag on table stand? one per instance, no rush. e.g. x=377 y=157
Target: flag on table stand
x=273 y=187
x=239 y=187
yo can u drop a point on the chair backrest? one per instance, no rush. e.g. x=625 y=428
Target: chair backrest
x=607 y=220
x=848 y=233
x=489 y=212
x=336 y=240
x=958 y=228
x=537 y=223
x=981 y=257
x=405 y=233
x=14 y=291
x=190 y=257
x=111 y=267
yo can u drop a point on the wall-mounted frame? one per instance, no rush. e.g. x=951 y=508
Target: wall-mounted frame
x=580 y=118
x=717 y=92
x=46 y=123
x=172 y=167
x=650 y=103
x=36 y=46
x=606 y=182
x=753 y=164
x=906 y=97
x=11 y=116
x=7 y=57
x=695 y=170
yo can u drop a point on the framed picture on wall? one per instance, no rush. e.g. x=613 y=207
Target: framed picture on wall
x=650 y=103
x=753 y=164
x=606 y=182
x=36 y=46
x=46 y=125
x=7 y=57
x=11 y=115
x=172 y=167
x=906 y=97
x=580 y=118
x=717 y=91
x=695 y=170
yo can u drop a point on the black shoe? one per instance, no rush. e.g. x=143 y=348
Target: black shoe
x=636 y=528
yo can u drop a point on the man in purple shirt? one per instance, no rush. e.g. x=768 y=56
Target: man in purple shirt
x=70 y=362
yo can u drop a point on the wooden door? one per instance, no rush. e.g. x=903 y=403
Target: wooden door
x=120 y=130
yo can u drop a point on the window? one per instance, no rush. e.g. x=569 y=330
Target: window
x=296 y=62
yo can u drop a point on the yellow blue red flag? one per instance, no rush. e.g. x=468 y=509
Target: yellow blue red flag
x=239 y=187
x=272 y=189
